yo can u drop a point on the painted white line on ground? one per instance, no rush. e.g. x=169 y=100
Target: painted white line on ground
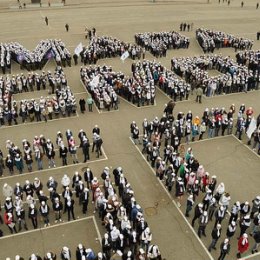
x=251 y=256
x=250 y=149
x=49 y=227
x=208 y=139
x=174 y=203
x=40 y=122
x=97 y=229
x=131 y=104
x=229 y=94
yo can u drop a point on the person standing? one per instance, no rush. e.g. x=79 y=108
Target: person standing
x=9 y=221
x=257 y=242
x=90 y=103
x=215 y=234
x=44 y=211
x=203 y=221
x=243 y=245
x=70 y=207
x=57 y=207
x=84 y=198
x=197 y=213
x=82 y=104
x=224 y=249
x=67 y=27
x=32 y=214
x=199 y=93
x=46 y=20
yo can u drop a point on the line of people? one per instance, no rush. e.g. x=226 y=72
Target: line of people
x=233 y=77
x=42 y=148
x=159 y=42
x=209 y=40
x=102 y=47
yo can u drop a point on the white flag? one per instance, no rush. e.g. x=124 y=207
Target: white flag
x=94 y=82
x=251 y=128
x=78 y=49
x=125 y=55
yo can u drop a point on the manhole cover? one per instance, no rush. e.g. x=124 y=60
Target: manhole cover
x=151 y=211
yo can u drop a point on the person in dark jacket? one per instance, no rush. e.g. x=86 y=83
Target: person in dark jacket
x=215 y=234
x=224 y=249
x=257 y=242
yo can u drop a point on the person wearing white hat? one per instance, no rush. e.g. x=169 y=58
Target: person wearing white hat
x=50 y=256
x=215 y=234
x=197 y=213
x=44 y=211
x=234 y=212
x=224 y=249
x=17 y=257
x=146 y=238
x=244 y=224
x=243 y=245
x=153 y=252
x=255 y=206
x=35 y=257
x=80 y=251
x=65 y=253
x=219 y=215
x=189 y=205
x=32 y=214
x=9 y=221
x=7 y=190
x=203 y=221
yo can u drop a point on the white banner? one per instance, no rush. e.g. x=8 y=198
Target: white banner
x=78 y=49
x=94 y=82
x=125 y=55
x=251 y=128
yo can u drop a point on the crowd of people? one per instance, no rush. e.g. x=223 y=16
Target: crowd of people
x=42 y=147
x=169 y=132
x=45 y=50
x=159 y=42
x=251 y=59
x=102 y=47
x=233 y=77
x=63 y=103
x=209 y=40
x=127 y=234
x=183 y=175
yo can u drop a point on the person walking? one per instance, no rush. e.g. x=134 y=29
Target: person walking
x=67 y=27
x=46 y=20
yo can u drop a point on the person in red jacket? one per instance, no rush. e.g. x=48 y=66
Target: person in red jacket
x=243 y=245
x=9 y=221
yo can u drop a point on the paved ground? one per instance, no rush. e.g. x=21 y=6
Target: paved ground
x=122 y=19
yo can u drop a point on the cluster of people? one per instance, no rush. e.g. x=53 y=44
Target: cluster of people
x=45 y=50
x=41 y=147
x=62 y=104
x=233 y=78
x=159 y=42
x=100 y=82
x=127 y=235
x=251 y=59
x=186 y=26
x=33 y=81
x=209 y=40
x=107 y=47
x=183 y=175
x=169 y=132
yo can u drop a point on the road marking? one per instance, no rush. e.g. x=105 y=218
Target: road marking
x=174 y=203
x=250 y=256
x=135 y=106
x=40 y=122
x=52 y=226
x=97 y=229
x=250 y=149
